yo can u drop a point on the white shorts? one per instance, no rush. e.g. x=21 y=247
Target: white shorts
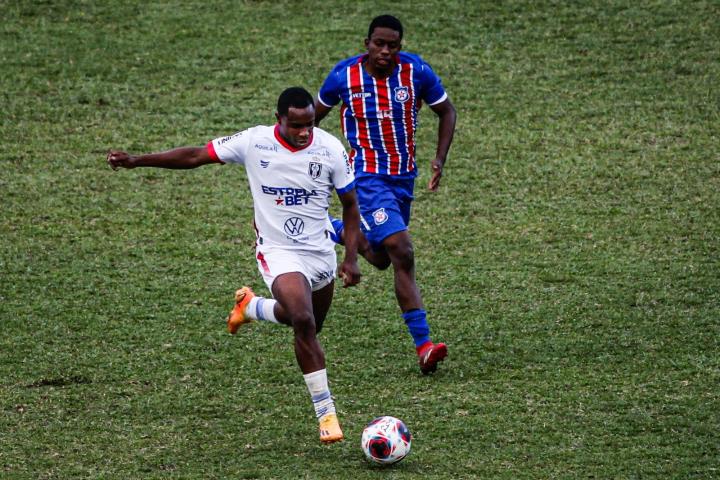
x=318 y=267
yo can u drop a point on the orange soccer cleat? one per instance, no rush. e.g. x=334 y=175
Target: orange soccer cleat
x=330 y=429
x=237 y=316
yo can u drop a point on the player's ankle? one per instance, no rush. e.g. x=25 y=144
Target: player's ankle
x=420 y=349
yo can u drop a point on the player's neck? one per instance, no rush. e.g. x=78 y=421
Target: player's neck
x=377 y=72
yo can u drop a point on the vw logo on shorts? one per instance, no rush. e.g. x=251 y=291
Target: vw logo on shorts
x=294 y=226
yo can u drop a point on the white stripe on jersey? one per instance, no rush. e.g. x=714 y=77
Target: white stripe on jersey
x=379 y=124
x=411 y=159
x=392 y=125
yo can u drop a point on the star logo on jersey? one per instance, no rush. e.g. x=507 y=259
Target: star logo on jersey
x=290 y=196
x=401 y=94
x=294 y=226
x=380 y=216
x=314 y=169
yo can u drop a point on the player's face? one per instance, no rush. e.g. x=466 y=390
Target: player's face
x=382 y=46
x=297 y=125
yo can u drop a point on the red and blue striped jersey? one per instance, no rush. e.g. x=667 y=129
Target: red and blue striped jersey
x=379 y=116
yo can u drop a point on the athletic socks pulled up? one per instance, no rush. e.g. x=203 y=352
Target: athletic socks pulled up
x=417 y=325
x=263 y=309
x=317 y=385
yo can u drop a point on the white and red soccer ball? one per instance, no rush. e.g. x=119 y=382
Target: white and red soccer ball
x=386 y=440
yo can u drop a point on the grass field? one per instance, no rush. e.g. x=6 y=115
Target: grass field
x=571 y=260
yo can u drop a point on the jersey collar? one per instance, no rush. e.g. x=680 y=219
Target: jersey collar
x=285 y=144
x=363 y=58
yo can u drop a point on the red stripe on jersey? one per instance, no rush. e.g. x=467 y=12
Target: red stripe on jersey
x=263 y=263
x=386 y=125
x=359 y=112
x=213 y=154
x=409 y=125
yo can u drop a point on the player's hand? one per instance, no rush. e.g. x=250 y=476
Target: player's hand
x=117 y=159
x=437 y=169
x=350 y=274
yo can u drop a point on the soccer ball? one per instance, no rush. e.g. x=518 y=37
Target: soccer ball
x=386 y=440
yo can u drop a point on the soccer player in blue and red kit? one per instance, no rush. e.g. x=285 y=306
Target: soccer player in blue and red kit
x=381 y=92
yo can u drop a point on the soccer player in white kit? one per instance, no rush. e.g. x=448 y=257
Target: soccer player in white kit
x=292 y=169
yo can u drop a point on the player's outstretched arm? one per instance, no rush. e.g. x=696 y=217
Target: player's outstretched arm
x=349 y=270
x=177 y=158
x=446 y=129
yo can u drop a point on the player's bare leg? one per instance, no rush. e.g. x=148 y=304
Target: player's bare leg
x=377 y=258
x=293 y=293
x=400 y=251
x=397 y=250
x=321 y=301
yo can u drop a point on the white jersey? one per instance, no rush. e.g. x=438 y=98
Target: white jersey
x=291 y=187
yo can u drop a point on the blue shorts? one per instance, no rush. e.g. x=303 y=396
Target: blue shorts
x=384 y=203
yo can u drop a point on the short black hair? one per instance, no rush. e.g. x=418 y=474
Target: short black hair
x=385 y=21
x=296 y=97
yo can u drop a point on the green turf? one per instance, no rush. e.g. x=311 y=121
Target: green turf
x=571 y=259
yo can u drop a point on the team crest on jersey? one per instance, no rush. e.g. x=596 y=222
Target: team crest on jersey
x=402 y=94
x=380 y=216
x=315 y=169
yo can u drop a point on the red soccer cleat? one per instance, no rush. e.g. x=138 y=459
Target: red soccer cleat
x=430 y=356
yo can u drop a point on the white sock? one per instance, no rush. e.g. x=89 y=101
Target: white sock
x=317 y=384
x=261 y=308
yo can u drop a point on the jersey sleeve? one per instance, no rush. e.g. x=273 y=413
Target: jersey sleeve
x=230 y=149
x=343 y=178
x=329 y=94
x=431 y=88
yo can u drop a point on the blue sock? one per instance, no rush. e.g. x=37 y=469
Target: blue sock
x=417 y=325
x=338 y=227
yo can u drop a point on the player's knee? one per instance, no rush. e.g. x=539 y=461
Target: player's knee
x=383 y=263
x=377 y=258
x=402 y=255
x=303 y=324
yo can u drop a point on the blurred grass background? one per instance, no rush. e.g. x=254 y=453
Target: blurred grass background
x=570 y=260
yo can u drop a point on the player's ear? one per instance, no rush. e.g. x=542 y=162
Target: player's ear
x=367 y=42
x=277 y=117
